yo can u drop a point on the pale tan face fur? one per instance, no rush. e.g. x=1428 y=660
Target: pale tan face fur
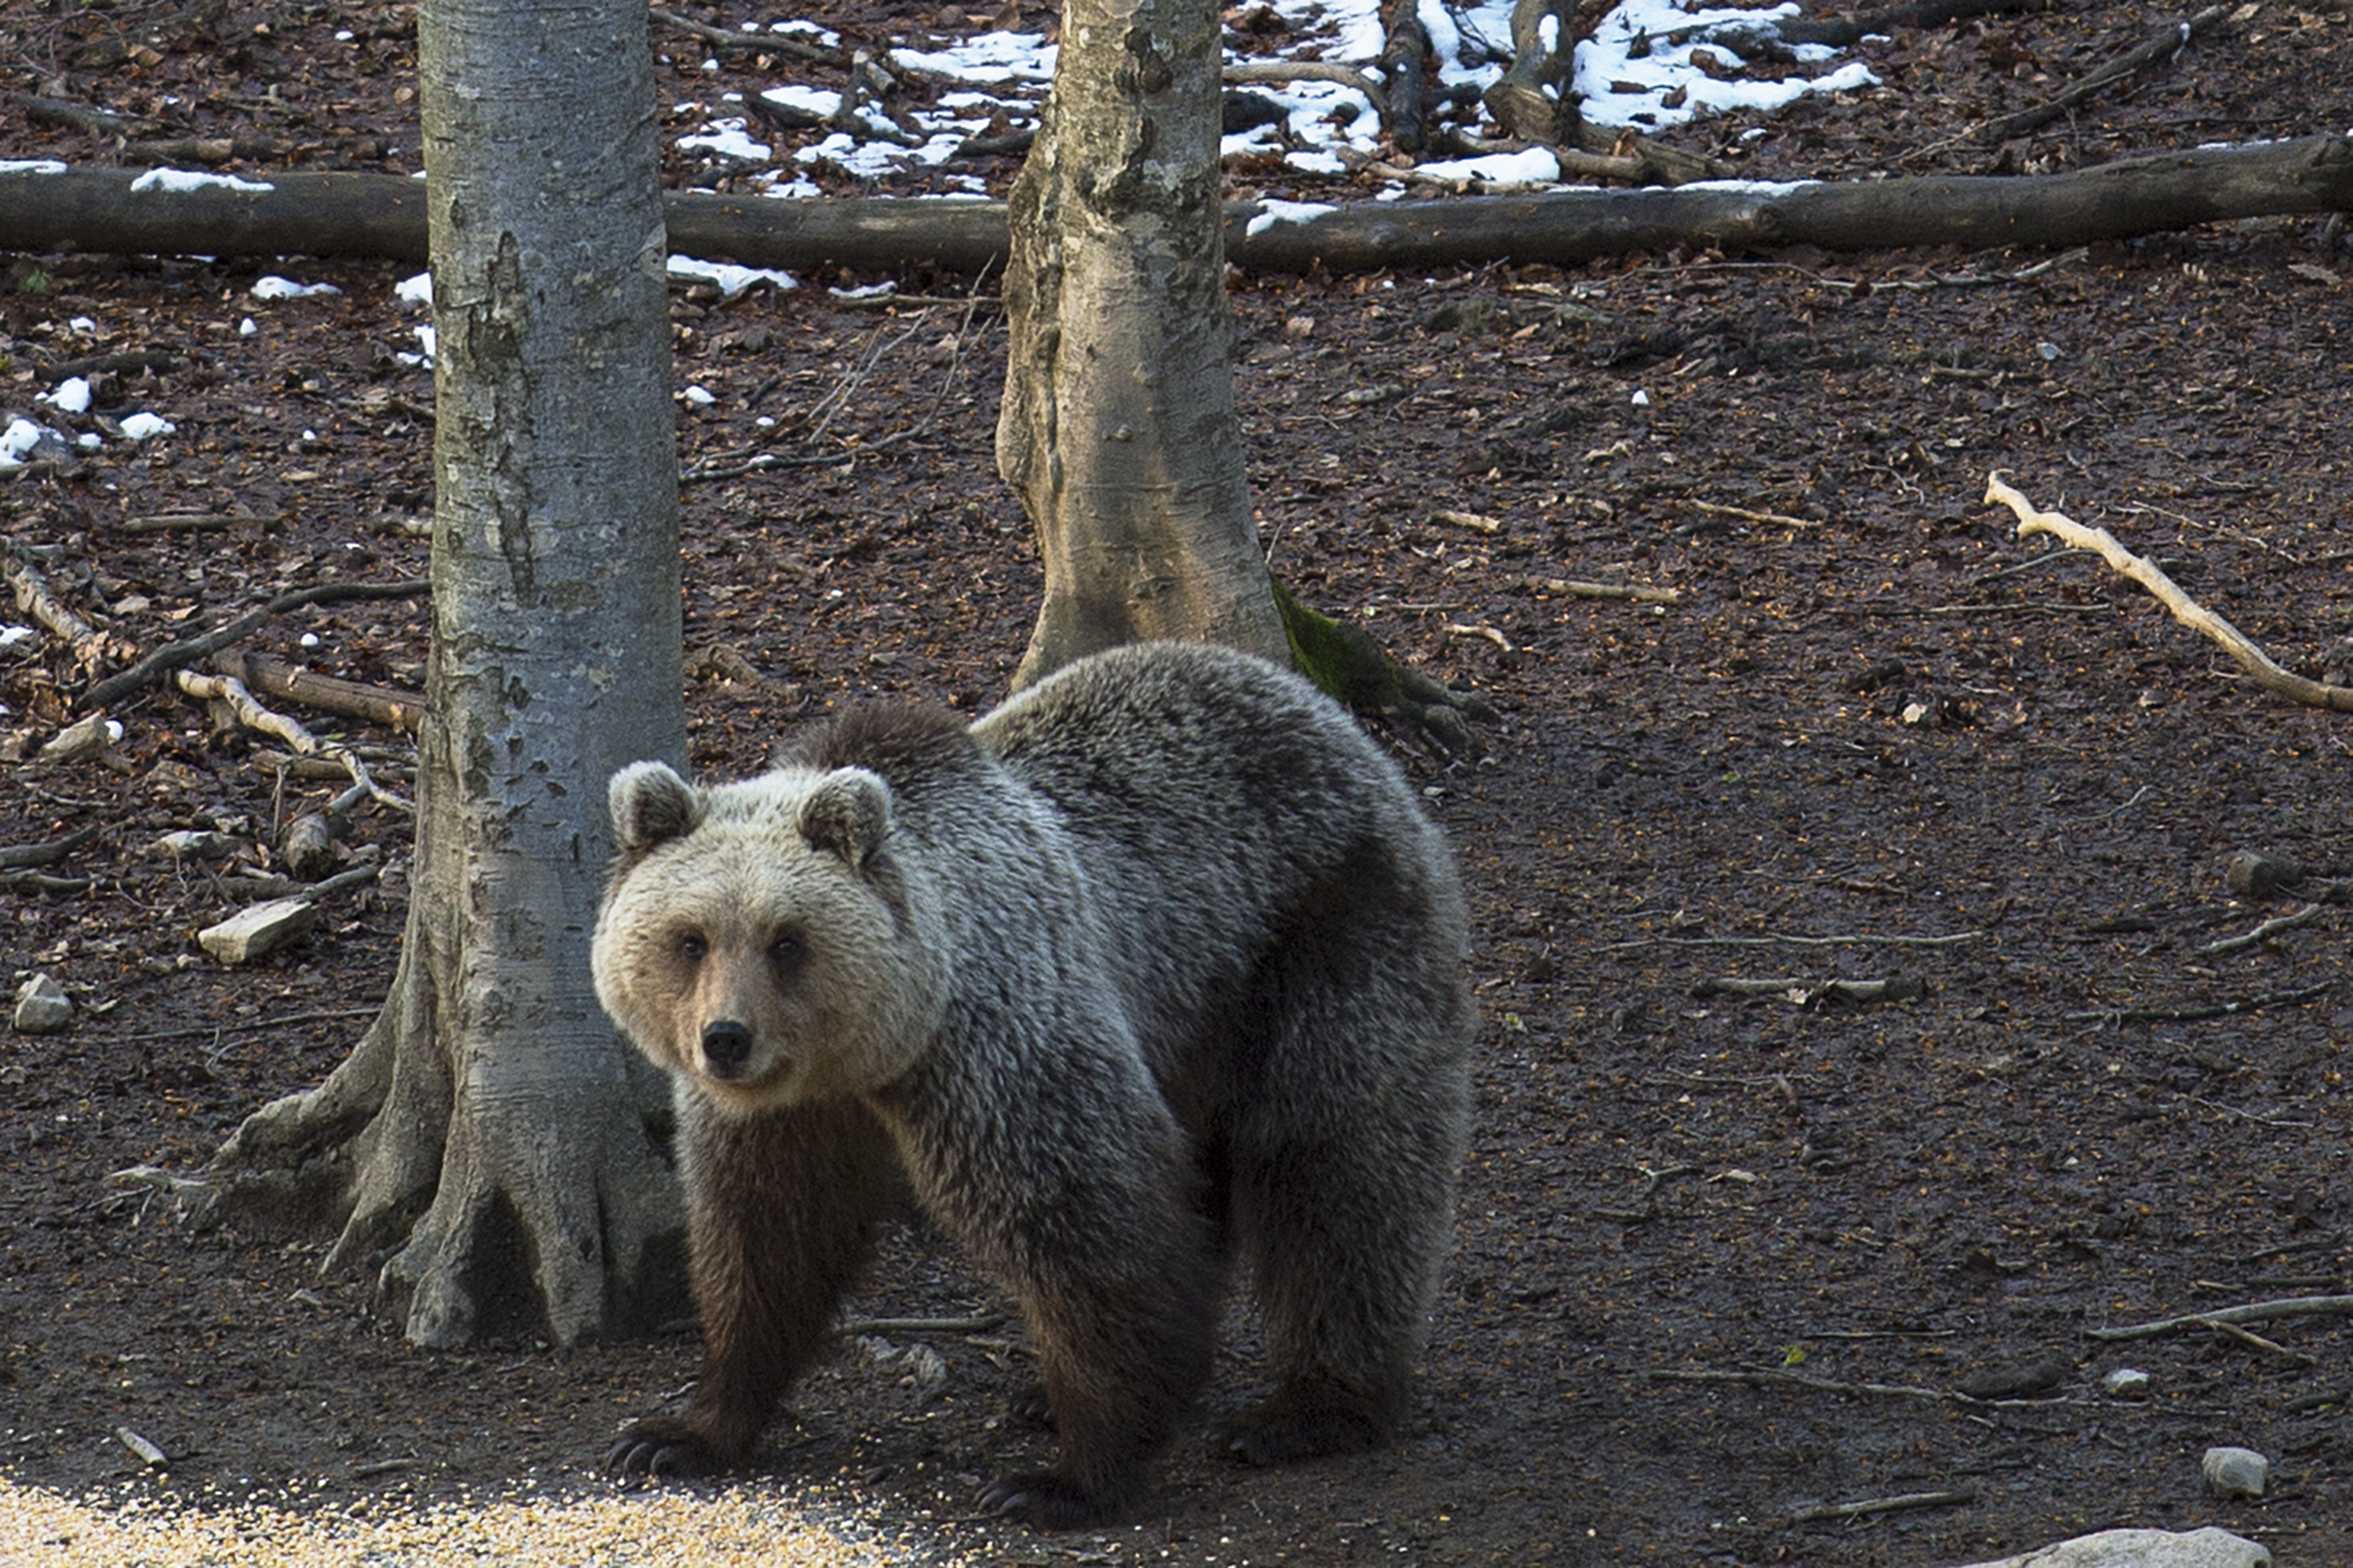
x=769 y=969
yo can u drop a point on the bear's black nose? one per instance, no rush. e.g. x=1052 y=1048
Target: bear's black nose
x=726 y=1047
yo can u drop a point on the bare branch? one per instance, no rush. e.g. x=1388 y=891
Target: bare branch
x=2032 y=521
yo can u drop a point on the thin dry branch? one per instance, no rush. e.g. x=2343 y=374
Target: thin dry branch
x=48 y=853
x=2032 y=521
x=91 y=647
x=254 y=716
x=1820 y=1511
x=1762 y=1377
x=187 y=650
x=2168 y=41
x=2252 y=1313
x=1573 y=588
x=2263 y=932
x=2191 y=1014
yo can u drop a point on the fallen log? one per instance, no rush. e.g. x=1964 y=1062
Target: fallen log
x=382 y=215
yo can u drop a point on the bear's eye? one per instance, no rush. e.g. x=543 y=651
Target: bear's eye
x=693 y=948
x=784 y=951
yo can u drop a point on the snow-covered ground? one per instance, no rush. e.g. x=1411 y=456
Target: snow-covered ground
x=1648 y=64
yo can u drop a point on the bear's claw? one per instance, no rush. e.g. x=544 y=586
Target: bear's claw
x=653 y=1450
x=1043 y=1500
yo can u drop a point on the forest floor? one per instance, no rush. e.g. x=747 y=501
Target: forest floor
x=1727 y=1260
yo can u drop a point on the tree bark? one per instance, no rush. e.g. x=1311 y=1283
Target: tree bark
x=1118 y=428
x=491 y=1130
x=378 y=215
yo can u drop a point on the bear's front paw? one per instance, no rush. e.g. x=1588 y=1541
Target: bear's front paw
x=663 y=1445
x=1043 y=1500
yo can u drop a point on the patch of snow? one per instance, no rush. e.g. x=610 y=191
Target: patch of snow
x=818 y=100
x=416 y=290
x=1629 y=67
x=273 y=287
x=732 y=280
x=987 y=58
x=72 y=395
x=147 y=427
x=1270 y=213
x=1533 y=166
x=21 y=436
x=182 y=181
x=728 y=139
x=31 y=166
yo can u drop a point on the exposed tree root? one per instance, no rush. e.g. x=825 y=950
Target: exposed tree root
x=1348 y=664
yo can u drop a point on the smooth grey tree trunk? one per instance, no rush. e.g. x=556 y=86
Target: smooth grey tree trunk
x=1118 y=429
x=491 y=1132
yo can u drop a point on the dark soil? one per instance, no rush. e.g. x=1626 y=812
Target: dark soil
x=1878 y=737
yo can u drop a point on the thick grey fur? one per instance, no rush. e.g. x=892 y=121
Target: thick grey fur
x=1158 y=966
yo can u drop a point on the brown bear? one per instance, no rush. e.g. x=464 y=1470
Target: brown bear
x=1158 y=965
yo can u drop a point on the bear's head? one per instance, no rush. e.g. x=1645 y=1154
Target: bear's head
x=761 y=939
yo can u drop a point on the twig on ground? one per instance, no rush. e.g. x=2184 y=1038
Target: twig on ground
x=1474 y=522
x=48 y=853
x=2263 y=932
x=1821 y=1511
x=2245 y=1115
x=1762 y=1377
x=1278 y=73
x=42 y=882
x=331 y=694
x=1805 y=992
x=2207 y=1010
x=249 y=1025
x=2188 y=611
x=254 y=716
x=1777 y=519
x=2252 y=1313
x=1456 y=628
x=1785 y=939
x=1571 y=587
x=2166 y=42
x=255 y=888
x=187 y=650
x=91 y=647
x=729 y=42
x=2255 y=1341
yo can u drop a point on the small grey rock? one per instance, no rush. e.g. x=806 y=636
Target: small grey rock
x=2235 y=1472
x=2253 y=875
x=259 y=931
x=87 y=738
x=2126 y=1383
x=2207 y=1548
x=42 y=1006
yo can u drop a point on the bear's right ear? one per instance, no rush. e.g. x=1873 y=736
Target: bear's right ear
x=848 y=814
x=651 y=805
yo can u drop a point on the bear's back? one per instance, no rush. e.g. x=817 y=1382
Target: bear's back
x=1222 y=809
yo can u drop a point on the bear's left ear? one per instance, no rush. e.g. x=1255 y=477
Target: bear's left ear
x=848 y=814
x=651 y=805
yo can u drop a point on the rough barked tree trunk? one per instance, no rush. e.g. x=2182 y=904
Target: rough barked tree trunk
x=1118 y=429
x=491 y=1132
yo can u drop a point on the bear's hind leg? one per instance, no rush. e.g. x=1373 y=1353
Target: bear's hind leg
x=781 y=1210
x=1344 y=1171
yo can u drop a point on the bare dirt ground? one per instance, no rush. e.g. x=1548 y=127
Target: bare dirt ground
x=1876 y=738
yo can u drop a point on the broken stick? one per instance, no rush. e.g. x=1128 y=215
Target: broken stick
x=2032 y=521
